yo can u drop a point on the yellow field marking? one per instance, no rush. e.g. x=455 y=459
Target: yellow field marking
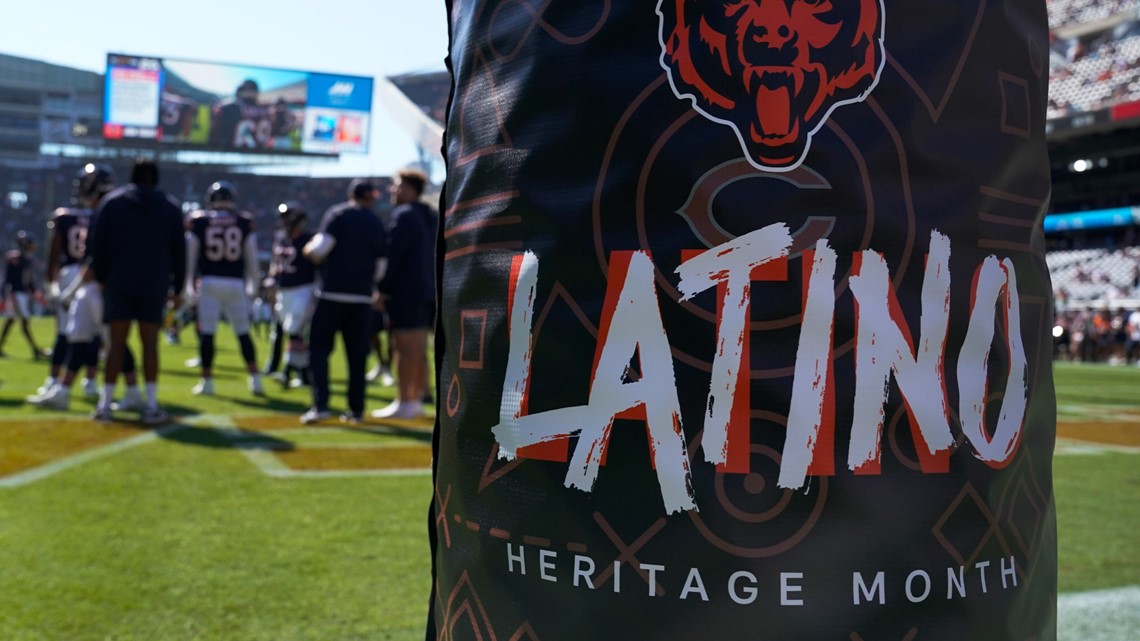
x=33 y=474
x=28 y=444
x=356 y=458
x=1125 y=434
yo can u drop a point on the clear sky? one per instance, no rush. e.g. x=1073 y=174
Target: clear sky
x=356 y=37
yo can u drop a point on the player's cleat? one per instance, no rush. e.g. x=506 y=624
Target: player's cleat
x=315 y=415
x=154 y=416
x=132 y=401
x=255 y=386
x=400 y=409
x=381 y=375
x=56 y=398
x=102 y=415
x=90 y=389
x=205 y=387
x=49 y=383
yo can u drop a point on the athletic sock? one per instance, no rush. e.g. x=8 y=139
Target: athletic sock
x=151 y=395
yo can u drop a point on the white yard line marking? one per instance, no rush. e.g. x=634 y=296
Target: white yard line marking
x=1099 y=413
x=1101 y=615
x=42 y=472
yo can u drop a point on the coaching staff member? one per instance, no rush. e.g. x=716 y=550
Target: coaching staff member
x=138 y=255
x=409 y=291
x=350 y=249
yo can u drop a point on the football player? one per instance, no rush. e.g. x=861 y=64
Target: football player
x=19 y=285
x=242 y=123
x=221 y=249
x=80 y=301
x=294 y=277
x=67 y=244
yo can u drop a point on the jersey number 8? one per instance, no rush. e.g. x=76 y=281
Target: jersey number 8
x=76 y=242
x=223 y=244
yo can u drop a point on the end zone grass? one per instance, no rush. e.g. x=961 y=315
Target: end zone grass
x=190 y=535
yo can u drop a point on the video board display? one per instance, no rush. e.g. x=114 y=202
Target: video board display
x=230 y=107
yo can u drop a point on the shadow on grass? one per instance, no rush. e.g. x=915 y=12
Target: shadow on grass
x=226 y=439
x=421 y=435
x=276 y=404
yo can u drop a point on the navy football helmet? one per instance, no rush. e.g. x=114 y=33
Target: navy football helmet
x=293 y=217
x=92 y=182
x=25 y=240
x=222 y=191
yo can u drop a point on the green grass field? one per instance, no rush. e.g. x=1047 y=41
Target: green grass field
x=238 y=524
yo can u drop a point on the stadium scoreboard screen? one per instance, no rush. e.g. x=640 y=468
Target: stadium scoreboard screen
x=227 y=107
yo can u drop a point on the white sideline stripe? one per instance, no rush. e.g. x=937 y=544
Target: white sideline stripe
x=1100 y=615
x=42 y=472
x=1071 y=447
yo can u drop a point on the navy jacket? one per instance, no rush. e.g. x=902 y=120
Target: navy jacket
x=136 y=246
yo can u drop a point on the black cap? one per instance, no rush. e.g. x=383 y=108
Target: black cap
x=361 y=188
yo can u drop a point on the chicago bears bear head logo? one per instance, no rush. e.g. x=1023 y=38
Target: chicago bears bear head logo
x=773 y=70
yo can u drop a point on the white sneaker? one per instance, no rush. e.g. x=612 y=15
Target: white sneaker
x=255 y=386
x=132 y=401
x=102 y=415
x=154 y=416
x=205 y=387
x=49 y=383
x=315 y=415
x=400 y=409
x=56 y=398
x=90 y=389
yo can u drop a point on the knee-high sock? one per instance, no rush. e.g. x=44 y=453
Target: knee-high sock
x=206 y=350
x=247 y=351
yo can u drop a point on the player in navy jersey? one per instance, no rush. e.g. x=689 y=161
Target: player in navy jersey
x=294 y=277
x=242 y=123
x=137 y=254
x=221 y=249
x=18 y=289
x=409 y=292
x=67 y=246
x=80 y=314
x=350 y=249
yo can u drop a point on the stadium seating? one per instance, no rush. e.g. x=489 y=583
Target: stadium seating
x=1064 y=13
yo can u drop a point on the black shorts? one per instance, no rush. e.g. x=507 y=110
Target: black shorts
x=410 y=315
x=141 y=308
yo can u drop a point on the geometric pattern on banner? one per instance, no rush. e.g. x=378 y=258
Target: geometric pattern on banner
x=953 y=532
x=923 y=94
